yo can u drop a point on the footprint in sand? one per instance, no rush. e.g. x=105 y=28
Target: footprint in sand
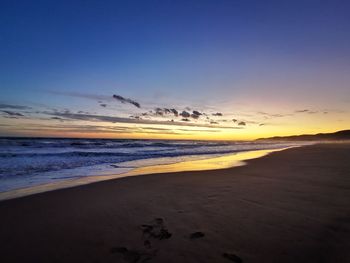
x=232 y=257
x=156 y=229
x=197 y=235
x=133 y=256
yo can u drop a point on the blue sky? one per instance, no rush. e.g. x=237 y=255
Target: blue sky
x=236 y=57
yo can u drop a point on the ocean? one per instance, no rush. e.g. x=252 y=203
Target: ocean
x=26 y=162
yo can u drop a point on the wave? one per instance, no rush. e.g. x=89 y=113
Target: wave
x=37 y=159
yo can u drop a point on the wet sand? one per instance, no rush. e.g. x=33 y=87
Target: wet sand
x=289 y=206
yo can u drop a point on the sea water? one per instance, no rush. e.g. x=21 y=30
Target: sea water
x=26 y=162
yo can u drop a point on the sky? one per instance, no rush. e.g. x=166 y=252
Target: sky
x=216 y=70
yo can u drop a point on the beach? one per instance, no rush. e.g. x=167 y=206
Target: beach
x=289 y=206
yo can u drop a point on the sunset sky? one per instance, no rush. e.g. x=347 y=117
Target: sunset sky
x=174 y=69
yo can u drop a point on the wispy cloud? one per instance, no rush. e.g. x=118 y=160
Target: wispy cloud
x=14 y=107
x=113 y=119
x=306 y=111
x=301 y=111
x=274 y=115
x=95 y=97
x=12 y=113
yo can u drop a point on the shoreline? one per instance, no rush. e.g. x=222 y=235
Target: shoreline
x=288 y=206
x=225 y=161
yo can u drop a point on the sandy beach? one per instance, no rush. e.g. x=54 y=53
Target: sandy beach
x=288 y=206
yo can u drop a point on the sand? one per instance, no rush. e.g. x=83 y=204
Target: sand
x=289 y=206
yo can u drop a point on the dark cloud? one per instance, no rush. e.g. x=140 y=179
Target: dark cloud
x=159 y=111
x=126 y=100
x=217 y=114
x=185 y=114
x=214 y=122
x=82 y=112
x=185 y=119
x=234 y=120
x=242 y=123
x=175 y=112
x=12 y=113
x=103 y=105
x=195 y=114
x=162 y=112
x=57 y=118
x=14 y=107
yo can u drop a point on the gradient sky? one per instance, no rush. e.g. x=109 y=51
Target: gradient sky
x=267 y=67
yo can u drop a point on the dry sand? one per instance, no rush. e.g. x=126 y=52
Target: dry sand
x=289 y=206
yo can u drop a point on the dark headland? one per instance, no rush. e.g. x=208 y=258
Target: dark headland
x=335 y=136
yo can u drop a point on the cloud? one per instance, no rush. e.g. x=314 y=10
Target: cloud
x=185 y=119
x=161 y=112
x=11 y=113
x=166 y=111
x=57 y=118
x=195 y=114
x=103 y=105
x=217 y=114
x=306 y=111
x=112 y=119
x=241 y=123
x=273 y=115
x=14 y=107
x=180 y=129
x=301 y=111
x=185 y=114
x=126 y=100
x=82 y=95
x=175 y=112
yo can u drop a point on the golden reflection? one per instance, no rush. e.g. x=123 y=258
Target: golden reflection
x=222 y=162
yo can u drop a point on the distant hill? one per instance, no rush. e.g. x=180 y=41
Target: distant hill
x=339 y=135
